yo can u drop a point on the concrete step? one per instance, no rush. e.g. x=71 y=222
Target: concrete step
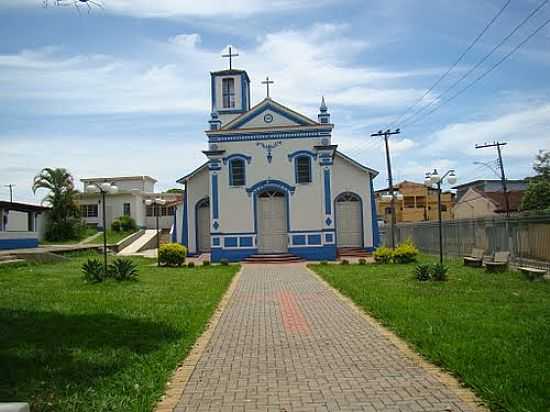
x=12 y=261
x=7 y=257
x=273 y=258
x=140 y=243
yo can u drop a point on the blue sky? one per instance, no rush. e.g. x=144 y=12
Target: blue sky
x=125 y=90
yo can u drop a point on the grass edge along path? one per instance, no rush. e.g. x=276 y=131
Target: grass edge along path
x=488 y=330
x=71 y=346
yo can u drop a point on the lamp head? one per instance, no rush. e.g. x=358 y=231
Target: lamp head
x=114 y=189
x=92 y=188
x=451 y=178
x=105 y=186
x=434 y=176
x=148 y=202
x=160 y=201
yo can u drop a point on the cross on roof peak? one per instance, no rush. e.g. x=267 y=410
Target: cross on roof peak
x=230 y=55
x=267 y=82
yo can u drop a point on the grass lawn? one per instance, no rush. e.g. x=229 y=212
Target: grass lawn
x=112 y=237
x=491 y=330
x=87 y=233
x=70 y=346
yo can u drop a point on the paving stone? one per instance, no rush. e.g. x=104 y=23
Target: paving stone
x=286 y=342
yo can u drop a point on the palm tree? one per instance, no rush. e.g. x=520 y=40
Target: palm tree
x=63 y=217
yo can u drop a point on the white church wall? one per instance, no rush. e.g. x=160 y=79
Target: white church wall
x=197 y=189
x=259 y=120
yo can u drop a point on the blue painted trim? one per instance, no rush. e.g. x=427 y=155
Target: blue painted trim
x=327 y=252
x=298 y=239
x=311 y=154
x=314 y=239
x=362 y=223
x=175 y=230
x=232 y=241
x=244 y=106
x=234 y=233
x=374 y=218
x=241 y=156
x=213 y=91
x=296 y=170
x=246 y=241
x=329 y=237
x=243 y=137
x=232 y=255
x=6 y=244
x=215 y=240
x=197 y=206
x=231 y=171
x=215 y=206
x=271 y=184
x=326 y=174
x=185 y=221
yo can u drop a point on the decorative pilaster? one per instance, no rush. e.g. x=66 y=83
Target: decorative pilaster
x=214 y=167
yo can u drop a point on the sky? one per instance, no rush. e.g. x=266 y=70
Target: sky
x=125 y=89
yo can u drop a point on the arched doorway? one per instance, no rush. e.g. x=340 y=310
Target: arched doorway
x=203 y=225
x=272 y=223
x=349 y=220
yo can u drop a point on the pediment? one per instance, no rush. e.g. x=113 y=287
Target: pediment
x=269 y=114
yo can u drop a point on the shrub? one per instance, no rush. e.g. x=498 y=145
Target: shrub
x=191 y=265
x=406 y=252
x=206 y=263
x=344 y=262
x=423 y=272
x=324 y=262
x=123 y=269
x=383 y=255
x=127 y=223
x=439 y=272
x=93 y=271
x=362 y=261
x=172 y=254
x=115 y=226
x=224 y=262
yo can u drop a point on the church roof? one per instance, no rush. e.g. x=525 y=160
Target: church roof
x=185 y=178
x=269 y=104
x=229 y=72
x=355 y=163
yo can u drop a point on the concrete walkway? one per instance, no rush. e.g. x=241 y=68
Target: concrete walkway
x=287 y=342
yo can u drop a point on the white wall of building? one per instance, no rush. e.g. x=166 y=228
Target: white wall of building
x=197 y=189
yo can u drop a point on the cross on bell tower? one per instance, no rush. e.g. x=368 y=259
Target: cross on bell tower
x=230 y=55
x=267 y=82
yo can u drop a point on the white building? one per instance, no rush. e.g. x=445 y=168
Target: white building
x=274 y=182
x=128 y=201
x=21 y=225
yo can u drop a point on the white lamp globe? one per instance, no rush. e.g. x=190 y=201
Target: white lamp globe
x=114 y=189
x=451 y=178
x=148 y=202
x=92 y=188
x=434 y=176
x=428 y=180
x=386 y=198
x=106 y=186
x=161 y=202
x=399 y=196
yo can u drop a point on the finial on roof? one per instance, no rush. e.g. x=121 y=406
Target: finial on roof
x=323 y=107
x=324 y=115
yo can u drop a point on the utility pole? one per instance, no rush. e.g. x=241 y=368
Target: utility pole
x=11 y=186
x=502 y=174
x=386 y=134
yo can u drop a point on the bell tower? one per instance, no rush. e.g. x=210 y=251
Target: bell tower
x=230 y=90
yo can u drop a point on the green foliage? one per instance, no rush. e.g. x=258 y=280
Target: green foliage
x=439 y=272
x=344 y=262
x=64 y=215
x=542 y=165
x=423 y=272
x=172 y=254
x=362 y=261
x=383 y=255
x=224 y=262
x=127 y=223
x=115 y=226
x=191 y=265
x=406 y=252
x=324 y=262
x=537 y=195
x=175 y=190
x=123 y=269
x=93 y=271
x=206 y=263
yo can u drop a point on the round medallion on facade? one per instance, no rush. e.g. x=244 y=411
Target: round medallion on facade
x=268 y=118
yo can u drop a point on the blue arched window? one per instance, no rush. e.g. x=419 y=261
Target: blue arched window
x=237 y=175
x=303 y=169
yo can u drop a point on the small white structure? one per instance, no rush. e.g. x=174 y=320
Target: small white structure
x=129 y=200
x=274 y=183
x=21 y=225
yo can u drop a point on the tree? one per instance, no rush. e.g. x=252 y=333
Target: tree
x=174 y=190
x=537 y=195
x=63 y=217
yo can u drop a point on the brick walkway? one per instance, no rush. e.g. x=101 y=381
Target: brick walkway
x=286 y=342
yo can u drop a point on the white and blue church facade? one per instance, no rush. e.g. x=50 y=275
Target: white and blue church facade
x=273 y=182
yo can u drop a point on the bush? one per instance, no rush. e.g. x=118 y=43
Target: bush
x=206 y=263
x=423 y=272
x=224 y=262
x=191 y=265
x=405 y=253
x=115 y=226
x=344 y=262
x=362 y=261
x=172 y=254
x=383 y=255
x=439 y=272
x=123 y=269
x=127 y=223
x=324 y=262
x=93 y=271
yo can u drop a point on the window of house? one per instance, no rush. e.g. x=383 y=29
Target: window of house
x=30 y=222
x=126 y=209
x=303 y=169
x=150 y=211
x=409 y=202
x=236 y=172
x=443 y=208
x=421 y=202
x=89 y=210
x=228 y=89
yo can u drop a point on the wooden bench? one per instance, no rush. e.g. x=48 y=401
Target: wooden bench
x=475 y=260
x=532 y=273
x=499 y=262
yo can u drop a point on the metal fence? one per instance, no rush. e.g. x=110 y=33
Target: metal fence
x=527 y=238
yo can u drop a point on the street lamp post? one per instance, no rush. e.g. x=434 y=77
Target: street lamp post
x=156 y=203
x=434 y=178
x=103 y=188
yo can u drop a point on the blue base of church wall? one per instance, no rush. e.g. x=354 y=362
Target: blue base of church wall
x=315 y=253
x=231 y=255
x=6 y=244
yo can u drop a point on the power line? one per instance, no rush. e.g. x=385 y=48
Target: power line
x=493 y=67
x=472 y=44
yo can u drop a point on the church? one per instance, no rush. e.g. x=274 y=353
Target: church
x=273 y=182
